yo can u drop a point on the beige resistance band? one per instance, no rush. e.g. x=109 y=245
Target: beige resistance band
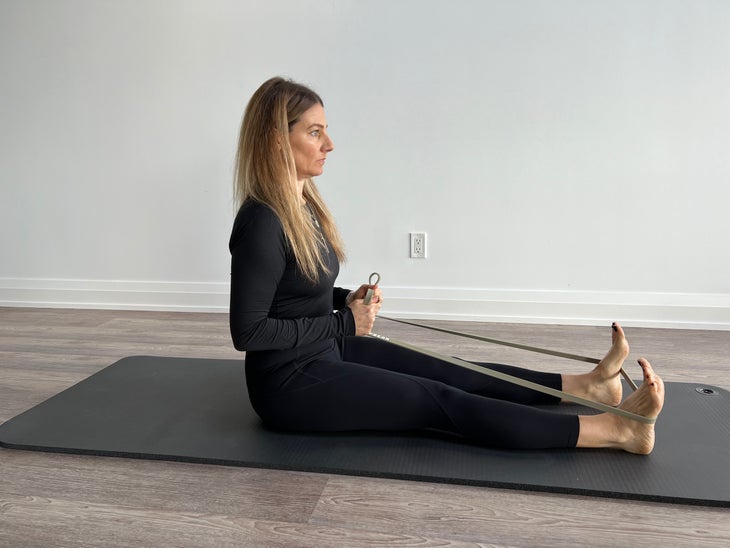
x=375 y=278
x=516 y=380
x=632 y=384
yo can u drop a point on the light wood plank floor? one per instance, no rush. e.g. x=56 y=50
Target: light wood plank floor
x=77 y=501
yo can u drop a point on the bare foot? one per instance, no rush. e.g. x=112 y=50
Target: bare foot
x=613 y=431
x=603 y=384
x=647 y=401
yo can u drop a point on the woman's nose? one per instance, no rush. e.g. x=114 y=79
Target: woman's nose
x=328 y=145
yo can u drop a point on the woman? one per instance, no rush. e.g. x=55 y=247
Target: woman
x=308 y=365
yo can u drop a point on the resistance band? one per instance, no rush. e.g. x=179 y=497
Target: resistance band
x=510 y=378
x=514 y=345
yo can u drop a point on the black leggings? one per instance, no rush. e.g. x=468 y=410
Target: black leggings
x=362 y=383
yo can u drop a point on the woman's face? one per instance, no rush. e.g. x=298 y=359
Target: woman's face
x=310 y=143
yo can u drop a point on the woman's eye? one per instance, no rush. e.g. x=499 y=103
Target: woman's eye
x=315 y=133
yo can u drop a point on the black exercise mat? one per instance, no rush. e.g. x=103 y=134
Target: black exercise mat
x=197 y=410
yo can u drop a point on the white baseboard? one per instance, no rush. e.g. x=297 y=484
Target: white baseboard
x=115 y=294
x=638 y=309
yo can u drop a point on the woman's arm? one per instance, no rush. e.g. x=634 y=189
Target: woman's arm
x=339 y=297
x=258 y=261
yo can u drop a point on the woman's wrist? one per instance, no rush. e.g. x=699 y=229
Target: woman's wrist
x=350 y=297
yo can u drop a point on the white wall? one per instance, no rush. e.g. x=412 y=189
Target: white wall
x=568 y=158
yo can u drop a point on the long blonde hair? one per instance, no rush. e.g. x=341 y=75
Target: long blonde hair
x=265 y=172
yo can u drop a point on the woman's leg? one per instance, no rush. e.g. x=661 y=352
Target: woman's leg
x=332 y=395
x=329 y=395
x=384 y=355
x=602 y=384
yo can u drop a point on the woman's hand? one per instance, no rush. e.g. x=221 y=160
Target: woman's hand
x=364 y=314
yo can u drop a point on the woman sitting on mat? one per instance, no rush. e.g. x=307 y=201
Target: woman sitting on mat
x=309 y=365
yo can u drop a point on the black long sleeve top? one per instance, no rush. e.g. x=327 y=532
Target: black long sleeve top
x=273 y=306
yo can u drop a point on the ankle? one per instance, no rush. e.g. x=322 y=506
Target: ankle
x=579 y=385
x=601 y=431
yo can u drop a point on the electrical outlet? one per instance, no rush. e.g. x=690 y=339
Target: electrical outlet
x=418 y=245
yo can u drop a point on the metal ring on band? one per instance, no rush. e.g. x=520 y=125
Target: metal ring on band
x=374 y=279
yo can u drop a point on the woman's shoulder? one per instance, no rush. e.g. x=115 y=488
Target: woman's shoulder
x=253 y=212
x=257 y=218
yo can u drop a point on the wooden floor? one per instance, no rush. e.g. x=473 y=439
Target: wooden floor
x=77 y=501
